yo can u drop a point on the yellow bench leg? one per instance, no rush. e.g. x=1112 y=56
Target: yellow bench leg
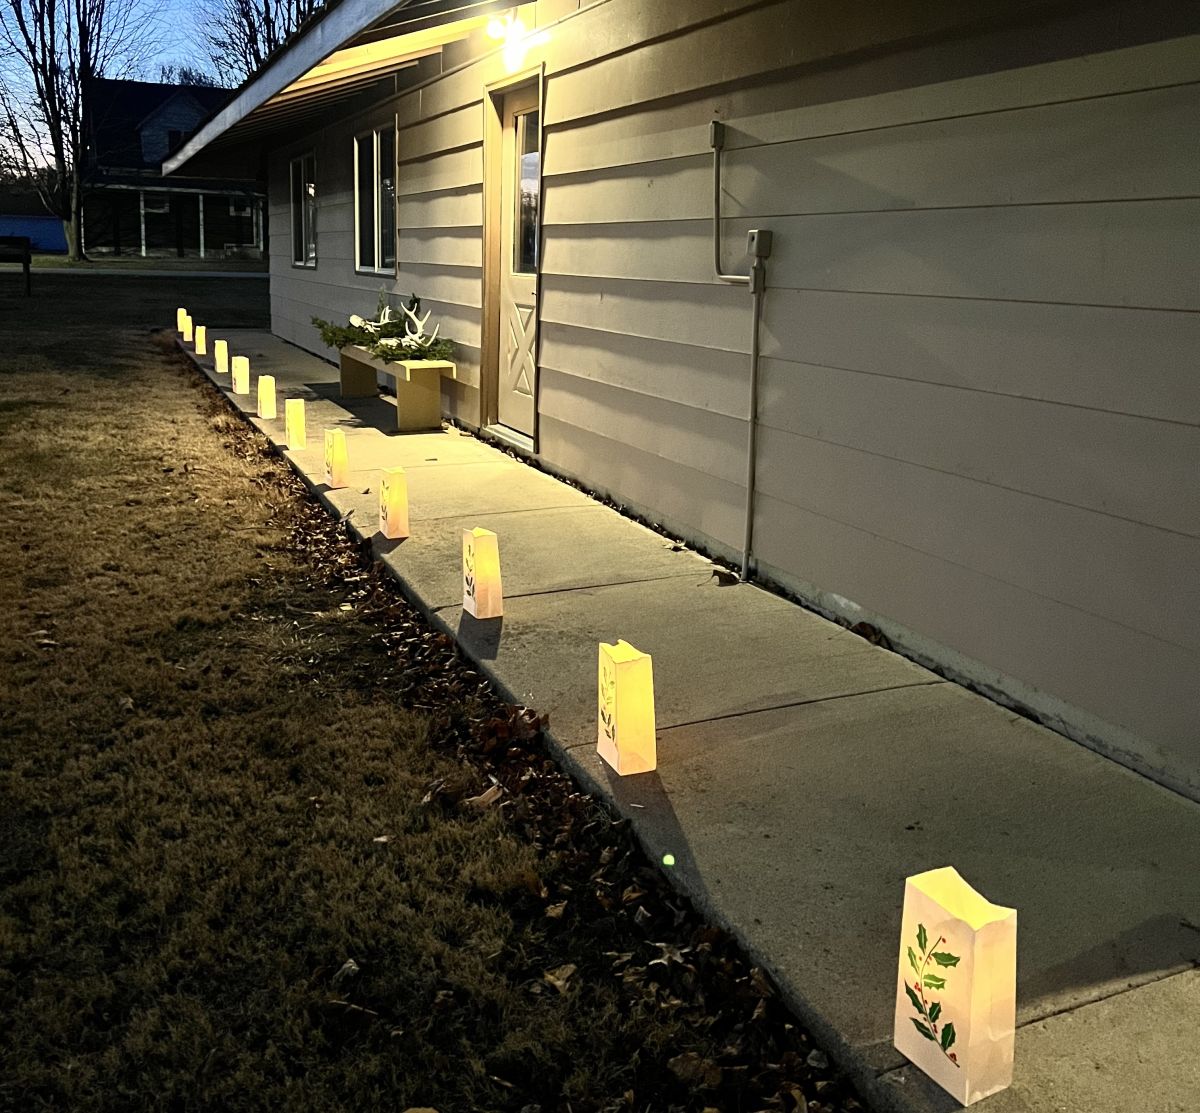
x=419 y=401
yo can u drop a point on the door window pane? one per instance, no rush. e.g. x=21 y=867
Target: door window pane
x=297 y=214
x=310 y=209
x=365 y=184
x=387 y=198
x=529 y=167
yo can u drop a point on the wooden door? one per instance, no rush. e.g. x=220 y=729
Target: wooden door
x=519 y=244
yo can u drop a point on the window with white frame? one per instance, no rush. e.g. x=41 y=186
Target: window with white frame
x=375 y=199
x=304 y=211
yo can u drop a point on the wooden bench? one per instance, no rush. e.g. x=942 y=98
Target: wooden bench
x=19 y=249
x=418 y=385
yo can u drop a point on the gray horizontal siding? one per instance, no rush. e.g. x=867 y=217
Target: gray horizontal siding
x=439 y=254
x=705 y=442
x=688 y=374
x=1054 y=253
x=1114 y=569
x=1121 y=360
x=683 y=500
x=980 y=394
x=1140 y=146
x=980 y=403
x=865 y=97
x=1117 y=465
x=710 y=316
x=1046 y=646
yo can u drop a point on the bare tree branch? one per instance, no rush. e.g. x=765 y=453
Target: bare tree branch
x=50 y=52
x=243 y=34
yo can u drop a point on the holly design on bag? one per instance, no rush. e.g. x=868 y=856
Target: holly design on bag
x=469 y=571
x=608 y=702
x=929 y=1021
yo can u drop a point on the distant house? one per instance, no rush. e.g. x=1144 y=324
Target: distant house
x=966 y=408
x=131 y=208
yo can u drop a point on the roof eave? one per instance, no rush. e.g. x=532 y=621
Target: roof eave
x=340 y=24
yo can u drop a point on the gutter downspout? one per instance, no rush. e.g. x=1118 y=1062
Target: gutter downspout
x=759 y=247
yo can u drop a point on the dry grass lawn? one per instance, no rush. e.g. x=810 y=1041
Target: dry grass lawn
x=238 y=868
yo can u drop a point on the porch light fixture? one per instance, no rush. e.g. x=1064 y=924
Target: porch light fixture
x=517 y=40
x=337 y=462
x=625 y=713
x=483 y=596
x=201 y=340
x=956 y=994
x=293 y=423
x=266 y=397
x=221 y=357
x=393 y=503
x=241 y=374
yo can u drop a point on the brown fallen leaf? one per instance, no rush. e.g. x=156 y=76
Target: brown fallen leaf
x=668 y=953
x=348 y=969
x=560 y=976
x=694 y=1070
x=485 y=799
x=555 y=911
x=761 y=983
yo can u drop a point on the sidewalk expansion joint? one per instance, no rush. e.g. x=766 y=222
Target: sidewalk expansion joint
x=501 y=514
x=1164 y=975
x=566 y=589
x=805 y=703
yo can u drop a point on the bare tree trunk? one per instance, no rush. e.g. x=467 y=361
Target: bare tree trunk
x=75 y=250
x=53 y=50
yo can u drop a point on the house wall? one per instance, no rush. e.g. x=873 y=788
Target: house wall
x=980 y=399
x=439 y=248
x=181 y=113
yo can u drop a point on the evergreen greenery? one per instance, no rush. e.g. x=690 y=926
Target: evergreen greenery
x=391 y=337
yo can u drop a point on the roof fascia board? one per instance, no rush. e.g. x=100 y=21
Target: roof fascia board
x=340 y=25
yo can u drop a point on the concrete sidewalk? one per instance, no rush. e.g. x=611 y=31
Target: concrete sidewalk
x=803 y=773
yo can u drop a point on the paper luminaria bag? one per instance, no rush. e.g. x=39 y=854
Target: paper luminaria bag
x=337 y=461
x=483 y=595
x=241 y=374
x=625 y=713
x=266 y=397
x=293 y=424
x=201 y=334
x=956 y=993
x=221 y=357
x=393 y=503
x=180 y=315
x=186 y=329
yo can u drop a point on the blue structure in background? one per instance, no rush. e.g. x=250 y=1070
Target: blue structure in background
x=45 y=232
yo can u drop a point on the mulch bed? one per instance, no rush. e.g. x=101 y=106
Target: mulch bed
x=609 y=915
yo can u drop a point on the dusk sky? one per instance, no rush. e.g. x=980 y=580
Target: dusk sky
x=177 y=36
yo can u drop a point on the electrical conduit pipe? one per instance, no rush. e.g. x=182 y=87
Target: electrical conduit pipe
x=760 y=248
